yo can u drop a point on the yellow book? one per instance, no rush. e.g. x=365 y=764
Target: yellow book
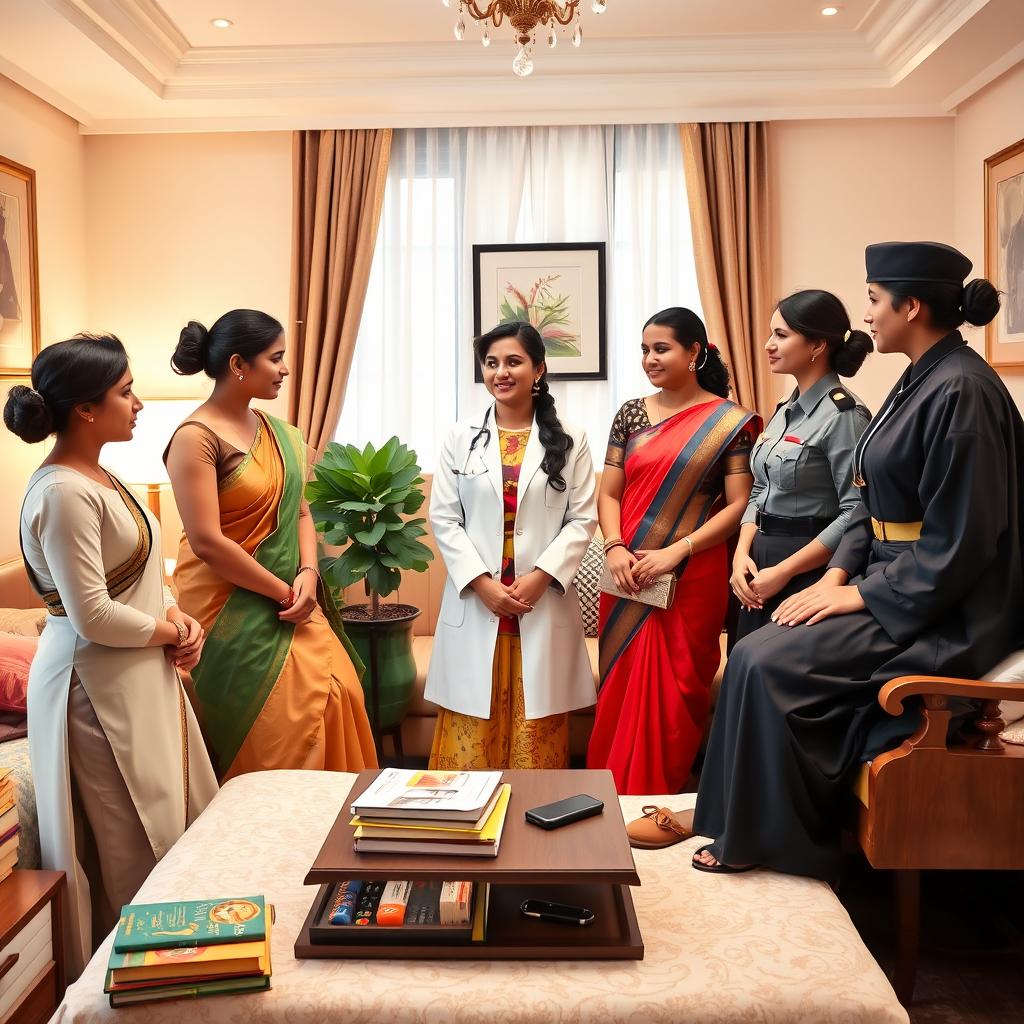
x=486 y=844
x=483 y=896
x=192 y=962
x=395 y=829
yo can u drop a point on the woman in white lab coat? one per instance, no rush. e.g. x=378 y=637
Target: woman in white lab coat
x=513 y=510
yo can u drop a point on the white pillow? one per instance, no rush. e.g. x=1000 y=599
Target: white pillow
x=1010 y=670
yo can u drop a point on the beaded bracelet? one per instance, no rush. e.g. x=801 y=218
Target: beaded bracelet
x=307 y=568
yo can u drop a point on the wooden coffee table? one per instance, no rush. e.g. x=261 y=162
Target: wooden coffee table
x=588 y=863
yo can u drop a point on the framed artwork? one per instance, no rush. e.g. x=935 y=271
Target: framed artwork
x=19 y=270
x=557 y=287
x=1004 y=255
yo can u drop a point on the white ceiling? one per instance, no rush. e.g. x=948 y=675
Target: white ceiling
x=159 y=65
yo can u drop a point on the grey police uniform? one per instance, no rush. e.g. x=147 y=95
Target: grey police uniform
x=803 y=482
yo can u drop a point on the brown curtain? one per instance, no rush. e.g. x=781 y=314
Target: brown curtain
x=727 y=187
x=339 y=179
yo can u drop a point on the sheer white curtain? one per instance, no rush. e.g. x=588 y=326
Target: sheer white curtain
x=449 y=189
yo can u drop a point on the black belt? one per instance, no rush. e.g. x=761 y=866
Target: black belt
x=791 y=526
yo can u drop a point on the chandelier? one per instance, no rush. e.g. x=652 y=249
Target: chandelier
x=524 y=16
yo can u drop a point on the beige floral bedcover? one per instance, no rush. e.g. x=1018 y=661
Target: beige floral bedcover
x=759 y=947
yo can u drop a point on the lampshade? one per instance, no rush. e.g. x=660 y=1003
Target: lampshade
x=140 y=460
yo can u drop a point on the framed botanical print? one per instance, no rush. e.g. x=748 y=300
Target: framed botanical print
x=19 y=270
x=1004 y=255
x=557 y=287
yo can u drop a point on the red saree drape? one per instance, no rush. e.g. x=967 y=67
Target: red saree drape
x=657 y=665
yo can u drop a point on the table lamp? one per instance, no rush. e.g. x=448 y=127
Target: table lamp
x=139 y=462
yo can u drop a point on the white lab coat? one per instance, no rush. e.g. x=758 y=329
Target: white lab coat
x=552 y=531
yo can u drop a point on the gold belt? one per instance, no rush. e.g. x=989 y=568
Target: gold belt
x=895 y=531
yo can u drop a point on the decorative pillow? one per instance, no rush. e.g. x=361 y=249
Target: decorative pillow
x=22 y=621
x=588 y=578
x=16 y=654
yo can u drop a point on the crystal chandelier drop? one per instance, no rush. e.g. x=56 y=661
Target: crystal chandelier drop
x=524 y=16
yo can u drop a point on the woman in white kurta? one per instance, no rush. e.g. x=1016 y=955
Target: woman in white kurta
x=513 y=510
x=118 y=761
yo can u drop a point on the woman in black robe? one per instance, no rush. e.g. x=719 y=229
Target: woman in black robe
x=927 y=579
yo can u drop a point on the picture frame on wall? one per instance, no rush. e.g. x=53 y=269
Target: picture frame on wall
x=1004 y=255
x=560 y=288
x=19 y=270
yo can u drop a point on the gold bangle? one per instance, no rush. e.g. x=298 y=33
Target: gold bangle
x=609 y=544
x=182 y=632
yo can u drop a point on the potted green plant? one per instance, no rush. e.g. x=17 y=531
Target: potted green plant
x=362 y=500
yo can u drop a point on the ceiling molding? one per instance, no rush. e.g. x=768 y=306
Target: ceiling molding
x=44 y=92
x=905 y=33
x=135 y=33
x=999 y=67
x=839 y=71
x=471 y=118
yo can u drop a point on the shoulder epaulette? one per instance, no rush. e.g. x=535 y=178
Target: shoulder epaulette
x=843 y=399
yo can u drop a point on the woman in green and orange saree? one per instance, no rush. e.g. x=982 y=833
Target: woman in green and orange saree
x=278 y=683
x=676 y=482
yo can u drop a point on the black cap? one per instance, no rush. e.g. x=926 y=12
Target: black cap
x=916 y=261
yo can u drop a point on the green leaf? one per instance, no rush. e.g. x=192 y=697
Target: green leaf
x=381 y=462
x=372 y=536
x=384 y=580
x=406 y=476
x=357 y=559
x=359 y=506
x=338 y=535
x=414 y=502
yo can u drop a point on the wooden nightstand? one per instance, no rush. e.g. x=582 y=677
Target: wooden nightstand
x=31 y=946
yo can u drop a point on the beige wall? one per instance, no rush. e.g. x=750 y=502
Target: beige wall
x=839 y=185
x=986 y=123
x=185 y=227
x=35 y=134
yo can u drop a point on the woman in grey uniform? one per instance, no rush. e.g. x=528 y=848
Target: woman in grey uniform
x=803 y=491
x=927 y=578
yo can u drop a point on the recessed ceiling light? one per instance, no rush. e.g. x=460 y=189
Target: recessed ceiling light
x=830 y=12
x=227 y=23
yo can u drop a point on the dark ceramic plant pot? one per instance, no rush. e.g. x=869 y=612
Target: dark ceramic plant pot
x=385 y=647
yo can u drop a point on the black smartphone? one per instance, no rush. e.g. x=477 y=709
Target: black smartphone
x=564 y=812
x=560 y=912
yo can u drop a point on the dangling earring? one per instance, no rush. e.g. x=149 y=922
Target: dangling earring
x=693 y=365
x=535 y=390
x=813 y=356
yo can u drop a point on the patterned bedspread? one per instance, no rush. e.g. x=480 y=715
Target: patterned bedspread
x=758 y=948
x=14 y=754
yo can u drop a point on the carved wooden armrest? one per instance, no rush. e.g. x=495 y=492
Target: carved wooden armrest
x=936 y=691
x=894 y=693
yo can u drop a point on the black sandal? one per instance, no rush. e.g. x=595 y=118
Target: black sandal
x=718 y=869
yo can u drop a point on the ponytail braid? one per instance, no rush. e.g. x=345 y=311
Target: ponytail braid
x=557 y=443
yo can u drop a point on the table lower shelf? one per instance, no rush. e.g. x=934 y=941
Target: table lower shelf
x=613 y=935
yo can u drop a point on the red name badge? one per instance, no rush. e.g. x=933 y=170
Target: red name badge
x=793 y=438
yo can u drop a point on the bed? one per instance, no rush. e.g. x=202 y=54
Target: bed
x=20 y=612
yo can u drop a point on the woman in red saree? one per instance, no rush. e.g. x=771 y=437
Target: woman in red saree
x=675 y=485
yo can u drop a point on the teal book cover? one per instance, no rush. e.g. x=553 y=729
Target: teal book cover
x=190 y=923
x=213 y=988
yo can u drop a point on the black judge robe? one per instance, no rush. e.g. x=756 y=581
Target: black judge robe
x=797 y=702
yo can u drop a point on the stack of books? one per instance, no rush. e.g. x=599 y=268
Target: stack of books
x=190 y=949
x=9 y=827
x=430 y=812
x=402 y=912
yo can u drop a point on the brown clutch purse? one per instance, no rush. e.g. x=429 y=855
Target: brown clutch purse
x=658 y=594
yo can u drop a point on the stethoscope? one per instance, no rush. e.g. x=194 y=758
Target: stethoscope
x=483 y=433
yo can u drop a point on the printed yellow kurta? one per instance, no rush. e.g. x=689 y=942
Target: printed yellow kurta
x=507 y=739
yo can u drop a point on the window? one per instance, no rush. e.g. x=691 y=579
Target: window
x=412 y=374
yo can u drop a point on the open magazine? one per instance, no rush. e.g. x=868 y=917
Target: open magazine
x=454 y=796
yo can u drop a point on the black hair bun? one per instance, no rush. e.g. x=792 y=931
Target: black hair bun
x=27 y=414
x=980 y=303
x=848 y=357
x=190 y=356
